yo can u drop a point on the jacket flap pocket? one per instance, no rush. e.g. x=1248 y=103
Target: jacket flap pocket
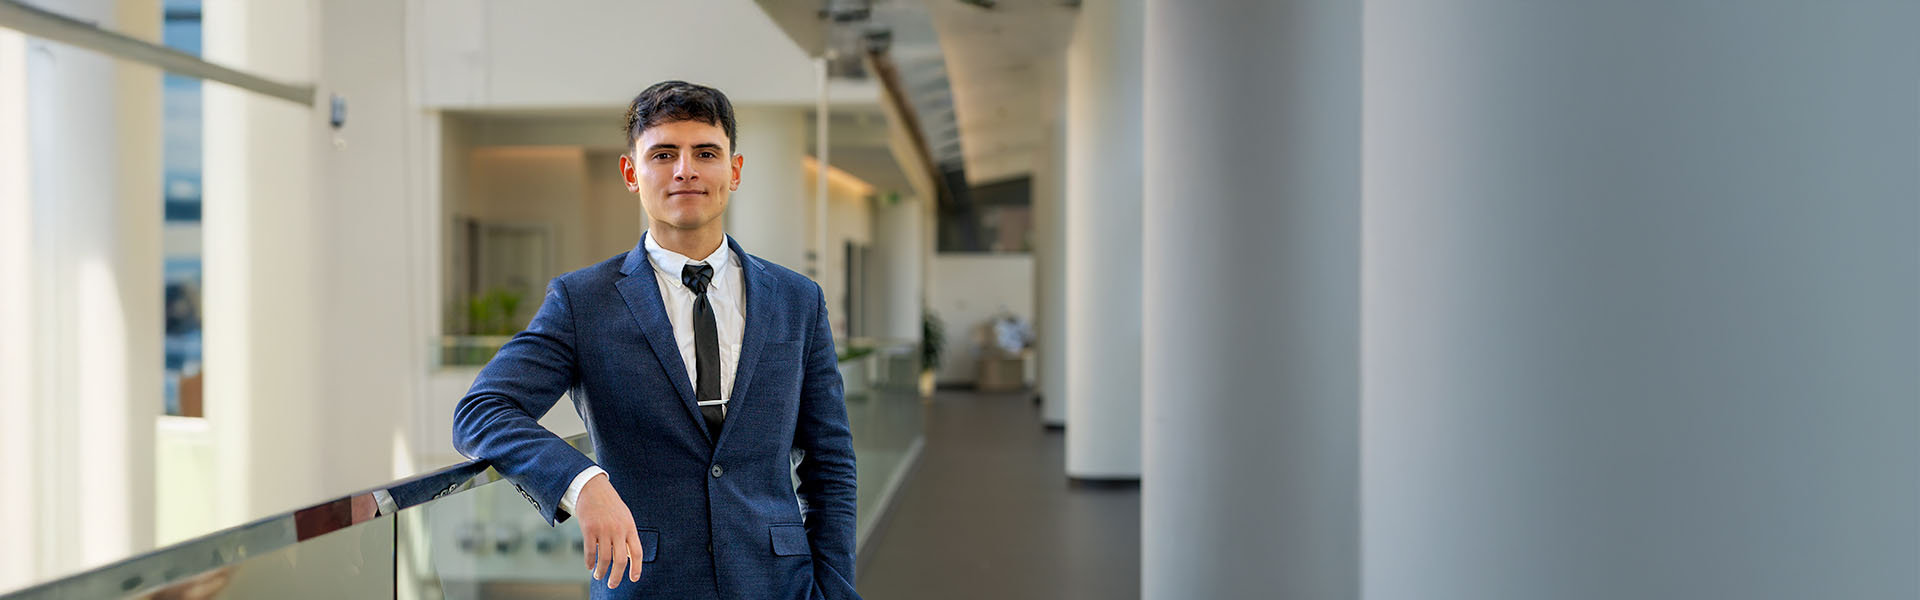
x=649 y=544
x=789 y=540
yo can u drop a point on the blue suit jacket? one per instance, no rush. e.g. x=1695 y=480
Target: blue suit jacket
x=602 y=334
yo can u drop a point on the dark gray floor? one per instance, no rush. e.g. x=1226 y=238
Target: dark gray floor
x=988 y=513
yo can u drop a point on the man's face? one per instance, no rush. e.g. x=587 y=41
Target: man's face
x=682 y=171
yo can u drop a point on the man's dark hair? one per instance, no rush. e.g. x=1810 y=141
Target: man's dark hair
x=670 y=101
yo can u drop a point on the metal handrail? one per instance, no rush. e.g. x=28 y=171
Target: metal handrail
x=42 y=23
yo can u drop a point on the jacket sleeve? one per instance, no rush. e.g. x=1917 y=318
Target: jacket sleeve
x=827 y=471
x=499 y=419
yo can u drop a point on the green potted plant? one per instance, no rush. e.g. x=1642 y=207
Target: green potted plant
x=856 y=371
x=932 y=338
x=491 y=318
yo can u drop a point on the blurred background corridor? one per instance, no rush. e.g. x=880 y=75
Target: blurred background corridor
x=1385 y=299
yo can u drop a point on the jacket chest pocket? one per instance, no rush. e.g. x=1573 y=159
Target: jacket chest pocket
x=782 y=353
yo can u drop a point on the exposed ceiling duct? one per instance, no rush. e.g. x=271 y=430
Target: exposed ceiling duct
x=899 y=38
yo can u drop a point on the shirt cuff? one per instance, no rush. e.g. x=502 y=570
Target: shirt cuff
x=573 y=490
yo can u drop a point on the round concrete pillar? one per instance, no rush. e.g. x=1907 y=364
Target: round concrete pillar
x=769 y=213
x=1643 y=300
x=1103 y=242
x=1252 y=295
x=1049 y=261
x=84 y=379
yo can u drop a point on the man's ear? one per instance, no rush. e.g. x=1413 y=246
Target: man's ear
x=633 y=179
x=733 y=184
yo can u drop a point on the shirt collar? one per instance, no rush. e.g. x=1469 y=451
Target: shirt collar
x=671 y=263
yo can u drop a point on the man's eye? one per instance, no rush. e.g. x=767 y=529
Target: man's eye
x=662 y=156
x=708 y=155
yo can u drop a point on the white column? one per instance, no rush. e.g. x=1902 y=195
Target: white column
x=929 y=217
x=1642 y=300
x=1251 y=311
x=1049 y=261
x=19 y=396
x=896 y=247
x=84 y=340
x=371 y=235
x=821 y=163
x=1103 y=241
x=261 y=262
x=769 y=213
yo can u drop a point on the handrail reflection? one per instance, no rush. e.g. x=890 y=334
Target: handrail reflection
x=182 y=562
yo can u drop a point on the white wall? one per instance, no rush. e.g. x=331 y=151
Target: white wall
x=445 y=387
x=183 y=479
x=544 y=185
x=847 y=221
x=614 y=215
x=574 y=190
x=449 y=150
x=503 y=53
x=371 y=223
x=966 y=290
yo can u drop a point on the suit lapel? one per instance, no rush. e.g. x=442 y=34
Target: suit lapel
x=642 y=295
x=759 y=296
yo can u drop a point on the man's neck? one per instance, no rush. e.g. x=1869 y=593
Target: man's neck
x=696 y=244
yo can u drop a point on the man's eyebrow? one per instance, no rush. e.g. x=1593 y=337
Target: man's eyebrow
x=708 y=145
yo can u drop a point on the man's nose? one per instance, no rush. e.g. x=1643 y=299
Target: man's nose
x=683 y=170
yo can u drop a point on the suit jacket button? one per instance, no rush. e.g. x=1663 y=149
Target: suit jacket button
x=717 y=471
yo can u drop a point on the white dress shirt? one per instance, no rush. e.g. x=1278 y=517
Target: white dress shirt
x=726 y=292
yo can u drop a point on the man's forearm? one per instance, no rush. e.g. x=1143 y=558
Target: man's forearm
x=499 y=418
x=538 y=462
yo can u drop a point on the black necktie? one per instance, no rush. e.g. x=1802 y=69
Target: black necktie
x=706 y=347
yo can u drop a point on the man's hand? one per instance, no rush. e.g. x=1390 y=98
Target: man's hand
x=607 y=528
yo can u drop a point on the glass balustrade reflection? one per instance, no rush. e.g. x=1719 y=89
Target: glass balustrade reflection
x=352 y=562
x=487 y=543
x=459 y=532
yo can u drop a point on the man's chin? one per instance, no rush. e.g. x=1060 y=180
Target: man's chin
x=687 y=221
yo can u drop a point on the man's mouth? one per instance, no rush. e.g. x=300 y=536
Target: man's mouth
x=687 y=192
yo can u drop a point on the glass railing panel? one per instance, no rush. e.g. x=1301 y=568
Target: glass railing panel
x=459 y=532
x=469 y=350
x=487 y=542
x=886 y=427
x=171 y=565
x=339 y=549
x=350 y=539
x=879 y=364
x=352 y=562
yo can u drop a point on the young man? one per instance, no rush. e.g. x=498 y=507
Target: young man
x=701 y=372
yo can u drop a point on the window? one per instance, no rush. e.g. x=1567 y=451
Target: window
x=180 y=156
x=998 y=217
